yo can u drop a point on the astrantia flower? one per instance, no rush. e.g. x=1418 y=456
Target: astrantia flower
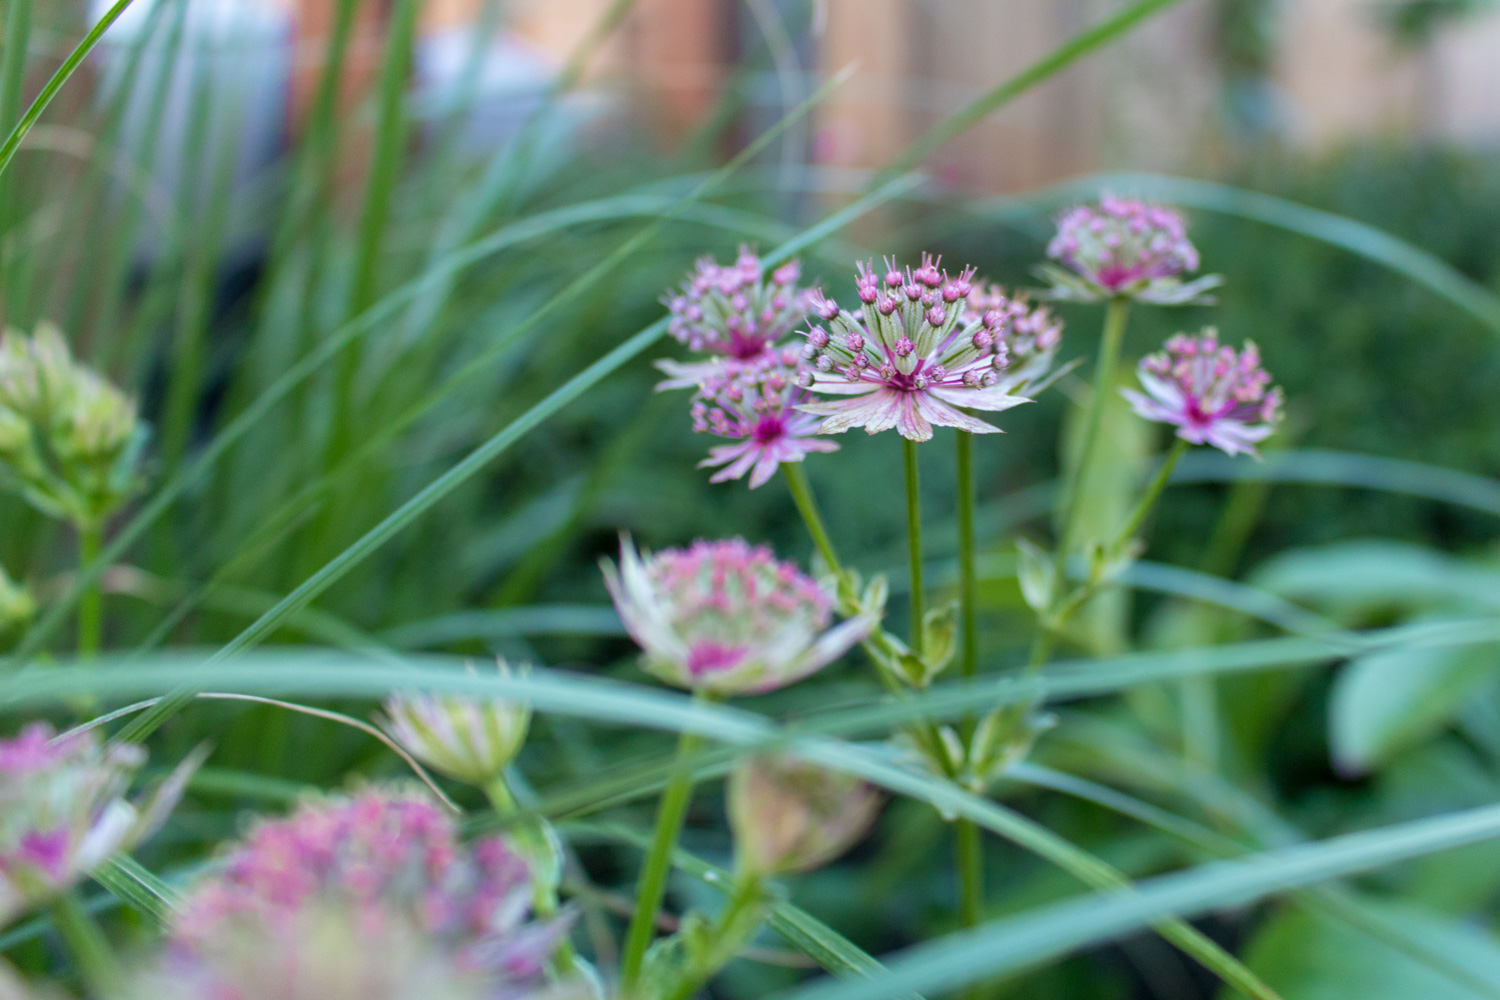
x=727 y=618
x=385 y=870
x=789 y=816
x=472 y=740
x=755 y=402
x=63 y=811
x=732 y=312
x=1123 y=247
x=912 y=357
x=1213 y=394
x=1029 y=336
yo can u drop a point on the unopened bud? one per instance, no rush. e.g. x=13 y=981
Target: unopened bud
x=791 y=817
x=468 y=739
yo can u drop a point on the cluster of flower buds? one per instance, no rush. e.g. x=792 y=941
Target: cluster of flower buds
x=755 y=403
x=911 y=357
x=789 y=816
x=63 y=811
x=1210 y=392
x=16 y=604
x=732 y=312
x=1125 y=248
x=727 y=618
x=69 y=440
x=366 y=896
x=468 y=739
x=1030 y=336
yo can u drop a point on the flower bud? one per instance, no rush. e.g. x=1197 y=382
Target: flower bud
x=468 y=739
x=790 y=817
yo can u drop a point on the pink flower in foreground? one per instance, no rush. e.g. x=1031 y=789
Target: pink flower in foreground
x=727 y=618
x=1213 y=394
x=756 y=403
x=63 y=811
x=912 y=357
x=1124 y=247
x=732 y=312
x=370 y=892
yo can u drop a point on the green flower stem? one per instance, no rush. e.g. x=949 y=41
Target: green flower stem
x=914 y=541
x=1115 y=315
x=653 y=884
x=736 y=923
x=91 y=601
x=968 y=848
x=1148 y=499
x=96 y=960
x=802 y=496
x=532 y=836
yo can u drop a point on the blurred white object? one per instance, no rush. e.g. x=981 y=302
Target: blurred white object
x=502 y=84
x=226 y=64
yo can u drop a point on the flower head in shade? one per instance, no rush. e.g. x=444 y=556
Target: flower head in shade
x=913 y=356
x=69 y=440
x=732 y=311
x=756 y=404
x=1212 y=393
x=727 y=618
x=1123 y=247
x=16 y=603
x=384 y=867
x=63 y=811
x=471 y=740
x=789 y=816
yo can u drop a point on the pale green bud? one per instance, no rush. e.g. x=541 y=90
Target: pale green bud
x=471 y=740
x=789 y=816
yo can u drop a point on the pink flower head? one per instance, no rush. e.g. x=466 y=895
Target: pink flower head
x=914 y=355
x=1213 y=394
x=1026 y=336
x=385 y=861
x=732 y=312
x=1125 y=248
x=755 y=403
x=63 y=811
x=727 y=618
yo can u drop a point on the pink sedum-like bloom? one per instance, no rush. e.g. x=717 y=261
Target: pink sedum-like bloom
x=1211 y=393
x=727 y=618
x=63 y=811
x=913 y=356
x=756 y=404
x=383 y=871
x=1125 y=248
x=732 y=312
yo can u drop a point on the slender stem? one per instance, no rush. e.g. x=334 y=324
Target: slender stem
x=731 y=931
x=807 y=506
x=970 y=854
x=1153 y=493
x=532 y=835
x=653 y=884
x=1115 y=315
x=91 y=601
x=968 y=848
x=914 y=541
x=96 y=960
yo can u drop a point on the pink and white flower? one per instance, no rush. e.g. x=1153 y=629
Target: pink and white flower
x=727 y=618
x=732 y=312
x=756 y=403
x=1125 y=248
x=1211 y=393
x=363 y=897
x=63 y=811
x=915 y=355
x=472 y=740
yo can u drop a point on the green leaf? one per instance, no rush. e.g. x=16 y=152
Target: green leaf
x=1313 y=959
x=138 y=888
x=1388 y=701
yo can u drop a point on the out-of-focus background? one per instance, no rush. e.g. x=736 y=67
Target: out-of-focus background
x=209 y=202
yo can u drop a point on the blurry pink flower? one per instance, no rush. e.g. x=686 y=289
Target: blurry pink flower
x=913 y=356
x=755 y=402
x=732 y=312
x=386 y=863
x=1124 y=248
x=790 y=816
x=1213 y=394
x=727 y=618
x=63 y=811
